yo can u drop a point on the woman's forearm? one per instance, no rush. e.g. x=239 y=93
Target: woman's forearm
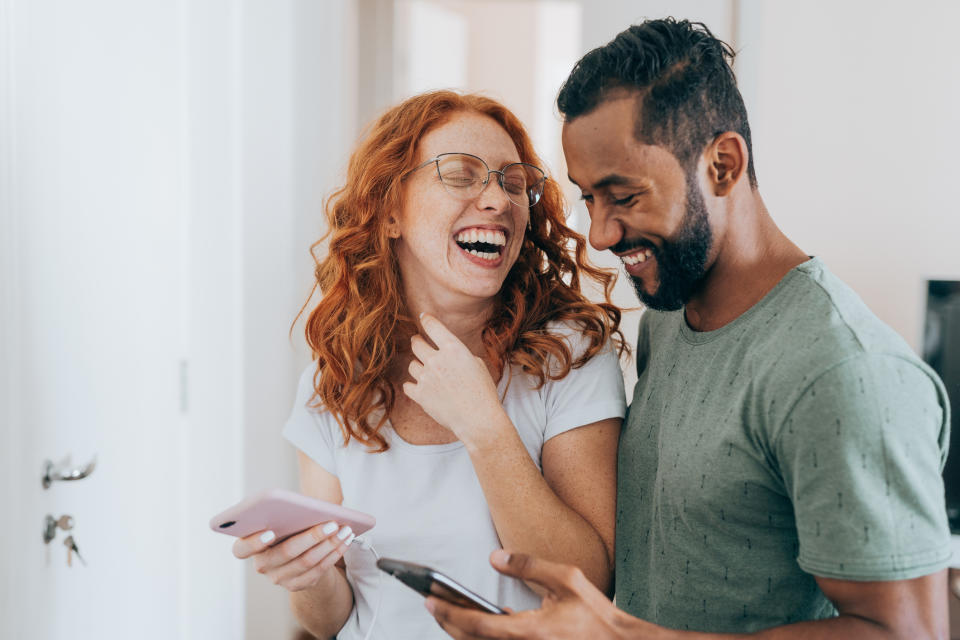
x=528 y=515
x=324 y=609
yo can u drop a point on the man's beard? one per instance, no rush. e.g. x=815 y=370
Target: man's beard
x=681 y=261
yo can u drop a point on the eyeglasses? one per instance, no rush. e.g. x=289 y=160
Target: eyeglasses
x=465 y=176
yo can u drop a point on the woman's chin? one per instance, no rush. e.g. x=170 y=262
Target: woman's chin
x=485 y=287
x=483 y=292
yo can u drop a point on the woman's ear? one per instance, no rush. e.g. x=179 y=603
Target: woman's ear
x=393 y=227
x=727 y=159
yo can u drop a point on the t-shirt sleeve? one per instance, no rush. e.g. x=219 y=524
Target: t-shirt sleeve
x=860 y=454
x=585 y=395
x=313 y=431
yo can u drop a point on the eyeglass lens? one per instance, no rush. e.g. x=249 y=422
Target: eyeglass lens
x=464 y=176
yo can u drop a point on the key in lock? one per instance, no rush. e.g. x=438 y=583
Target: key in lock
x=51 y=524
x=71 y=546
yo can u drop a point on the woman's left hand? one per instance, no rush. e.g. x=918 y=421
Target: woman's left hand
x=451 y=384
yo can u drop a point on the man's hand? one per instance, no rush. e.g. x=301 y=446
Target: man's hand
x=572 y=609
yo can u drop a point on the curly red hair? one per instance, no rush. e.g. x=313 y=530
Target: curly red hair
x=361 y=324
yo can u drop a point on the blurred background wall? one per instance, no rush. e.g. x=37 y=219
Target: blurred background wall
x=852 y=105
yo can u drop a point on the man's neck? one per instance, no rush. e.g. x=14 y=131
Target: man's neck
x=754 y=256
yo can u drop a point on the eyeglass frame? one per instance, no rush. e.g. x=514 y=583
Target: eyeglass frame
x=500 y=175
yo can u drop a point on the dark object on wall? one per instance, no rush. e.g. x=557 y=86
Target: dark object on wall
x=941 y=350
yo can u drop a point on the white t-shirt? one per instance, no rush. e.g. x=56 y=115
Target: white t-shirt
x=429 y=505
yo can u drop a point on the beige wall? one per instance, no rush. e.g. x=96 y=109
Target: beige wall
x=854 y=113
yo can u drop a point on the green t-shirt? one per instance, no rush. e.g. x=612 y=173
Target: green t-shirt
x=803 y=439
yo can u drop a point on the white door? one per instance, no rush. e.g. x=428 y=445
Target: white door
x=97 y=159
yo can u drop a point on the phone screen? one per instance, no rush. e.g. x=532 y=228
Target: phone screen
x=448 y=590
x=428 y=582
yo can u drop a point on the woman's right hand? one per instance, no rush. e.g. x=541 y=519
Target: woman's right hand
x=301 y=561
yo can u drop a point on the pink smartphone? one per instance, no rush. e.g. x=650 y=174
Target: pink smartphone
x=285 y=513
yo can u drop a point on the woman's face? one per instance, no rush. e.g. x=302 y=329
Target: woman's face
x=439 y=234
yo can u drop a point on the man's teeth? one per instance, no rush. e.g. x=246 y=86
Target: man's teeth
x=490 y=236
x=638 y=257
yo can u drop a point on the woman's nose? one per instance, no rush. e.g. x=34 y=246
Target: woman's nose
x=493 y=196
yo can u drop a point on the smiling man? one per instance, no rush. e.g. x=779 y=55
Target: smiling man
x=779 y=470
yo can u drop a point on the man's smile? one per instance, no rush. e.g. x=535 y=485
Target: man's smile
x=637 y=260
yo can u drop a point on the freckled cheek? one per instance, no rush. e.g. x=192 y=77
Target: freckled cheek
x=515 y=245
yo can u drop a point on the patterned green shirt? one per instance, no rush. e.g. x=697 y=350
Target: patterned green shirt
x=803 y=439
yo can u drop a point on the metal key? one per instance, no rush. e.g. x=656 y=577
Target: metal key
x=71 y=546
x=50 y=526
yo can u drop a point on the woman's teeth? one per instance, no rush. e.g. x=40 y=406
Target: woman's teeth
x=638 y=257
x=488 y=236
x=482 y=243
x=483 y=254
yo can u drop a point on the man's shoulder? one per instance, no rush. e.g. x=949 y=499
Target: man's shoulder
x=825 y=332
x=819 y=322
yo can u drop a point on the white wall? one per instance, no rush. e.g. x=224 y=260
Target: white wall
x=222 y=124
x=9 y=350
x=111 y=129
x=604 y=19
x=298 y=97
x=854 y=109
x=212 y=446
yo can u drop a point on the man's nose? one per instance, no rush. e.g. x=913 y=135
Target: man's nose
x=605 y=230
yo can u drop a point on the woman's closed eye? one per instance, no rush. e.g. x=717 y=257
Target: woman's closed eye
x=459 y=178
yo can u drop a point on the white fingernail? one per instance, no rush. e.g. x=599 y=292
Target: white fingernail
x=267 y=537
x=343 y=533
x=329 y=528
x=349 y=540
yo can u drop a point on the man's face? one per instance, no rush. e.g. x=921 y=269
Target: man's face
x=642 y=205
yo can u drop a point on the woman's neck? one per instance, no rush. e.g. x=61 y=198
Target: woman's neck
x=466 y=321
x=463 y=317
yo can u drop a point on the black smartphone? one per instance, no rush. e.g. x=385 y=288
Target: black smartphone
x=428 y=582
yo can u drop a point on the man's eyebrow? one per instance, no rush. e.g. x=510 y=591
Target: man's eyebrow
x=614 y=179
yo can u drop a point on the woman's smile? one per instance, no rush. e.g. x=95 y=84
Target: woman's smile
x=483 y=245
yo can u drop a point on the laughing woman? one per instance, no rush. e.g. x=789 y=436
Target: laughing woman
x=464 y=391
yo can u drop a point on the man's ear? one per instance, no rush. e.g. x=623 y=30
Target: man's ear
x=727 y=159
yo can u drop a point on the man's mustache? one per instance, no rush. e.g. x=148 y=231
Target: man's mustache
x=626 y=245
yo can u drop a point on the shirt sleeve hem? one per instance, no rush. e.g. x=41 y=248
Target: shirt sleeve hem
x=302 y=442
x=583 y=416
x=895 y=567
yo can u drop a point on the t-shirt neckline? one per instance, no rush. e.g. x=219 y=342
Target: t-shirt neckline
x=703 y=337
x=397 y=440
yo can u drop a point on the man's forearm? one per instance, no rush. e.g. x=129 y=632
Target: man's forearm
x=324 y=609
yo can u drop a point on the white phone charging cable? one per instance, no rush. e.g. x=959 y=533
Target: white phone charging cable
x=364 y=543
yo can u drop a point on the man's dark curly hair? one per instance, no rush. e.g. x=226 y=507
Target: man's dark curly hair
x=688 y=93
